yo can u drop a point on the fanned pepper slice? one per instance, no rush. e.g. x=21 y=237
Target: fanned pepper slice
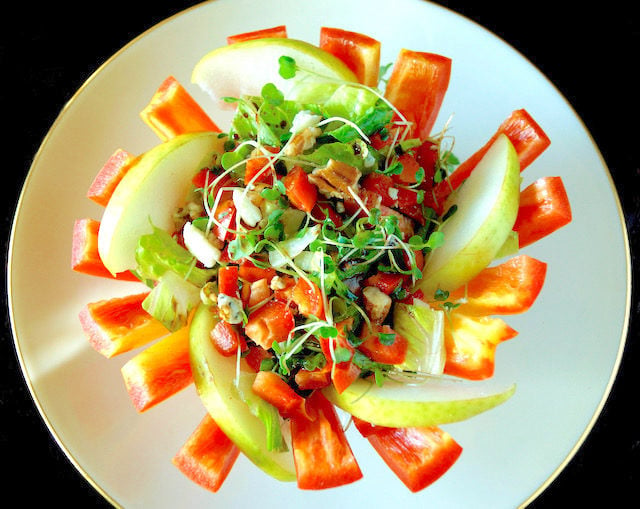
x=321 y=452
x=418 y=456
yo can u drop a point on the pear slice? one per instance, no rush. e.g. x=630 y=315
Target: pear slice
x=244 y=68
x=150 y=193
x=487 y=207
x=433 y=402
x=233 y=407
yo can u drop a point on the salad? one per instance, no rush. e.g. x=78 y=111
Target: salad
x=325 y=255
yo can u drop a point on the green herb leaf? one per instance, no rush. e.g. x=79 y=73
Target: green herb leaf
x=287 y=67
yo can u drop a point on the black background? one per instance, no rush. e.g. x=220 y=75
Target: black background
x=589 y=53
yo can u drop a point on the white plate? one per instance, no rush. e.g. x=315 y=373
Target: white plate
x=564 y=359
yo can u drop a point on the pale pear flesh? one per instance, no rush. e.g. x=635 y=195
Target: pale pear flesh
x=487 y=206
x=215 y=378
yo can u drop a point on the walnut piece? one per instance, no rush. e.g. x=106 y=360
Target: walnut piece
x=335 y=179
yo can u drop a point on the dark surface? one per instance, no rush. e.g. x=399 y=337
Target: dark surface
x=589 y=54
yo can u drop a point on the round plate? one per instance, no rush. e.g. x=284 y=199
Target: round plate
x=563 y=361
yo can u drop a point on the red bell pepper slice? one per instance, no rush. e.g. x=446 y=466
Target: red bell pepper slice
x=227 y=339
x=85 y=257
x=525 y=134
x=206 y=177
x=410 y=168
x=255 y=355
x=119 y=324
x=308 y=297
x=544 y=208
x=207 y=456
x=418 y=456
x=386 y=282
x=250 y=273
x=273 y=389
x=345 y=372
x=470 y=344
x=322 y=211
x=359 y=52
x=380 y=184
x=225 y=216
x=228 y=281
x=109 y=176
x=271 y=322
x=417 y=86
x=277 y=31
x=173 y=111
x=322 y=455
x=159 y=371
x=506 y=289
x=302 y=193
x=379 y=351
x=317 y=379
x=284 y=292
x=256 y=293
x=256 y=168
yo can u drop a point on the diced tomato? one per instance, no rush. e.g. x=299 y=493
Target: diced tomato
x=206 y=177
x=410 y=168
x=227 y=339
x=380 y=185
x=173 y=111
x=225 y=215
x=277 y=31
x=271 y=322
x=207 y=456
x=405 y=224
x=378 y=351
x=393 y=195
x=417 y=294
x=228 y=283
x=417 y=86
x=273 y=389
x=249 y=272
x=427 y=157
x=321 y=452
x=418 y=456
x=470 y=343
x=308 y=297
x=254 y=167
x=509 y=288
x=525 y=134
x=255 y=355
x=317 y=379
x=343 y=373
x=284 y=291
x=302 y=193
x=359 y=52
x=259 y=292
x=370 y=199
x=544 y=208
x=323 y=210
x=407 y=203
x=386 y=282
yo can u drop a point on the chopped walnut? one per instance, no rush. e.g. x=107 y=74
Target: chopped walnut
x=377 y=304
x=335 y=180
x=301 y=141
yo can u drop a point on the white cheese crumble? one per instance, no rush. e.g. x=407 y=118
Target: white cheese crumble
x=247 y=210
x=230 y=308
x=199 y=246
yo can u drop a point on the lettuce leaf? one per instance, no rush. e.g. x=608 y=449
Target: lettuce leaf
x=158 y=253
